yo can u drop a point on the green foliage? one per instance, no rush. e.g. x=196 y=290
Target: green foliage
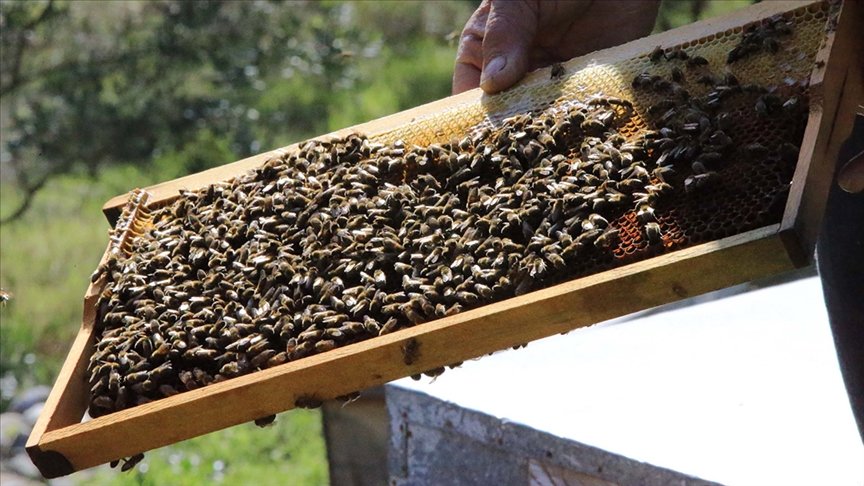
x=288 y=452
x=129 y=80
x=65 y=241
x=675 y=13
x=156 y=81
x=45 y=262
x=404 y=82
x=200 y=153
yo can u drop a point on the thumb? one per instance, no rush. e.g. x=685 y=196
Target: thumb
x=510 y=32
x=851 y=177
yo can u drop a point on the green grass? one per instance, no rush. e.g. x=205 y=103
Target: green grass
x=291 y=451
x=46 y=258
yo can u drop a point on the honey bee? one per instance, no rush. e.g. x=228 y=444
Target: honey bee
x=607 y=239
x=388 y=326
x=556 y=260
x=642 y=80
x=771 y=45
x=5 y=296
x=131 y=462
x=410 y=351
x=696 y=61
x=698 y=181
x=265 y=421
x=756 y=150
x=483 y=290
x=653 y=232
x=277 y=359
x=557 y=71
x=307 y=401
x=325 y=345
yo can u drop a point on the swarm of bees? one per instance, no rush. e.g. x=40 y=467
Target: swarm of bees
x=763 y=37
x=695 y=130
x=348 y=239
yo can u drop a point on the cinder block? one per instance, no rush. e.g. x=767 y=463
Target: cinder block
x=433 y=442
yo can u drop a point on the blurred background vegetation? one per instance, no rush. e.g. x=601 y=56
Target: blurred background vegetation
x=97 y=98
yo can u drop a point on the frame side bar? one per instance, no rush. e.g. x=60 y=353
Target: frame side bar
x=837 y=88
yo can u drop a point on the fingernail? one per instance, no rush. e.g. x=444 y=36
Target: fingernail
x=493 y=67
x=851 y=176
x=848 y=182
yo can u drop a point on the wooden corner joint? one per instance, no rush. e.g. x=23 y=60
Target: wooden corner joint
x=51 y=464
x=799 y=256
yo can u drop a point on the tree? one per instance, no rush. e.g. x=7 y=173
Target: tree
x=191 y=85
x=89 y=84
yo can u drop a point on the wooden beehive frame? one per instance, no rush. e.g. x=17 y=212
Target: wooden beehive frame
x=61 y=444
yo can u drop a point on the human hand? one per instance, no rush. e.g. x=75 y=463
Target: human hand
x=504 y=39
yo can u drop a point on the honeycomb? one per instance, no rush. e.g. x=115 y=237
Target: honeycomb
x=752 y=193
x=764 y=115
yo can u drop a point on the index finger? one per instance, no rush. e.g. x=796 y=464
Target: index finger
x=469 y=56
x=466 y=73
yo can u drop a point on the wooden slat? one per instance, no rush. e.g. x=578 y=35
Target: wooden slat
x=547 y=312
x=836 y=89
x=168 y=190
x=68 y=399
x=67 y=402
